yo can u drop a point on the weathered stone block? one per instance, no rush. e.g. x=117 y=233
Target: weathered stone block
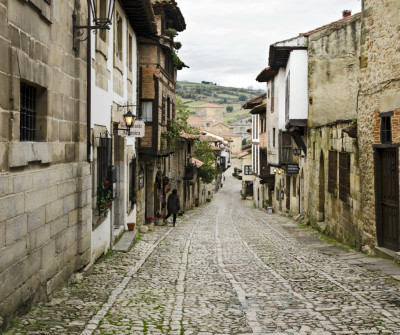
x=389 y=102
x=16 y=228
x=70 y=203
x=2 y=234
x=73 y=217
x=5 y=65
x=43 y=235
x=4 y=189
x=58 y=225
x=66 y=188
x=36 y=218
x=49 y=261
x=22 y=182
x=11 y=206
x=36 y=198
x=12 y=253
x=84 y=244
x=54 y=210
x=69 y=152
x=31 y=264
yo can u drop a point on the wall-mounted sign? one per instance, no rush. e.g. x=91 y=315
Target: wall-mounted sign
x=292 y=169
x=137 y=130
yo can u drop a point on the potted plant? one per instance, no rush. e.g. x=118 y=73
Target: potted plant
x=158 y=219
x=131 y=226
x=149 y=223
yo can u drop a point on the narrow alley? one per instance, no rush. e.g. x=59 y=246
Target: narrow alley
x=226 y=268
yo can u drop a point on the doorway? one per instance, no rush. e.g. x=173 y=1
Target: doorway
x=387 y=196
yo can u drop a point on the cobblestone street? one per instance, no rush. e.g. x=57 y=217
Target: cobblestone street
x=226 y=268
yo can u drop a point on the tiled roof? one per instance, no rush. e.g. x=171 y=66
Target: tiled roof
x=195 y=121
x=243 y=154
x=187 y=136
x=255 y=101
x=197 y=162
x=331 y=24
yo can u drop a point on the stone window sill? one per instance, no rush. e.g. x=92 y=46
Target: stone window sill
x=21 y=153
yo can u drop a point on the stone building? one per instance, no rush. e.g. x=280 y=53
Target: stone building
x=45 y=183
x=114 y=91
x=157 y=80
x=240 y=126
x=210 y=112
x=333 y=193
x=378 y=124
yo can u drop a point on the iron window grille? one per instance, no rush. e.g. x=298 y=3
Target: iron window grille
x=344 y=176
x=105 y=176
x=332 y=174
x=28 y=113
x=247 y=170
x=163 y=107
x=386 y=129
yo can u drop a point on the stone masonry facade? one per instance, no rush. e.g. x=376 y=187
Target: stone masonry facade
x=45 y=186
x=379 y=93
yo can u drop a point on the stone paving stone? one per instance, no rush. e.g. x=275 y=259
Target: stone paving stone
x=226 y=269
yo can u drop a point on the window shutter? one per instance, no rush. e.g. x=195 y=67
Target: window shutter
x=332 y=174
x=344 y=175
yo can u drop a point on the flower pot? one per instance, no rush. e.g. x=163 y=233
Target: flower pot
x=150 y=226
x=131 y=226
x=158 y=222
x=143 y=229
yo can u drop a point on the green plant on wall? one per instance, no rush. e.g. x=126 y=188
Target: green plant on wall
x=171 y=137
x=104 y=197
x=202 y=151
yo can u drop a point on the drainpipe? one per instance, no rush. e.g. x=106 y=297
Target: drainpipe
x=88 y=86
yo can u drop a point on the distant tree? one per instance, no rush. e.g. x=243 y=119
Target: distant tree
x=244 y=141
x=242 y=97
x=229 y=109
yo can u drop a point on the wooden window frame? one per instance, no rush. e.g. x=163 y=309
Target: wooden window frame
x=386 y=129
x=344 y=176
x=332 y=171
x=247 y=170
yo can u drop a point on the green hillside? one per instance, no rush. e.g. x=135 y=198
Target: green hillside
x=196 y=94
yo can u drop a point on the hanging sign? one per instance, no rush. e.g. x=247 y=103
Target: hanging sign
x=137 y=130
x=292 y=169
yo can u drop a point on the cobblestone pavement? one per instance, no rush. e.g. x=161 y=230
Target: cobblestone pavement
x=227 y=268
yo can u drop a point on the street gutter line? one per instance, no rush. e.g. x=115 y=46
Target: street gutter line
x=94 y=322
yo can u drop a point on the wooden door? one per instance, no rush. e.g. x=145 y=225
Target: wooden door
x=387 y=197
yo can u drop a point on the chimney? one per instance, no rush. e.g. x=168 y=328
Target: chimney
x=346 y=13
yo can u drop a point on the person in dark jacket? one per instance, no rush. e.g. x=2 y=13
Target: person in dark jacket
x=173 y=206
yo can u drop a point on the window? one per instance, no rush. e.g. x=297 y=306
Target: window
x=163 y=105
x=332 y=173
x=344 y=176
x=247 y=170
x=147 y=111
x=104 y=175
x=173 y=110
x=273 y=137
x=287 y=97
x=168 y=109
x=118 y=42
x=129 y=53
x=294 y=179
x=386 y=129
x=27 y=126
x=272 y=95
x=132 y=183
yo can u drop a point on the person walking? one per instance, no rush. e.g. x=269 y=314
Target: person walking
x=173 y=206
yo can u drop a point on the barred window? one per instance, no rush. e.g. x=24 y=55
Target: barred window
x=27 y=124
x=332 y=174
x=163 y=108
x=386 y=129
x=104 y=175
x=344 y=176
x=247 y=170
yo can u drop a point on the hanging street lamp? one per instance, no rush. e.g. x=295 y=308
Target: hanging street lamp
x=100 y=22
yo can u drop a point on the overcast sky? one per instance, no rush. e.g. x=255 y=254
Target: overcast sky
x=227 y=41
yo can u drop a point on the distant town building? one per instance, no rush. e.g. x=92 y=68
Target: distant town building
x=211 y=112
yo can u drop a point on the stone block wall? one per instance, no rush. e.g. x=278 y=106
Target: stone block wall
x=45 y=188
x=379 y=92
x=339 y=219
